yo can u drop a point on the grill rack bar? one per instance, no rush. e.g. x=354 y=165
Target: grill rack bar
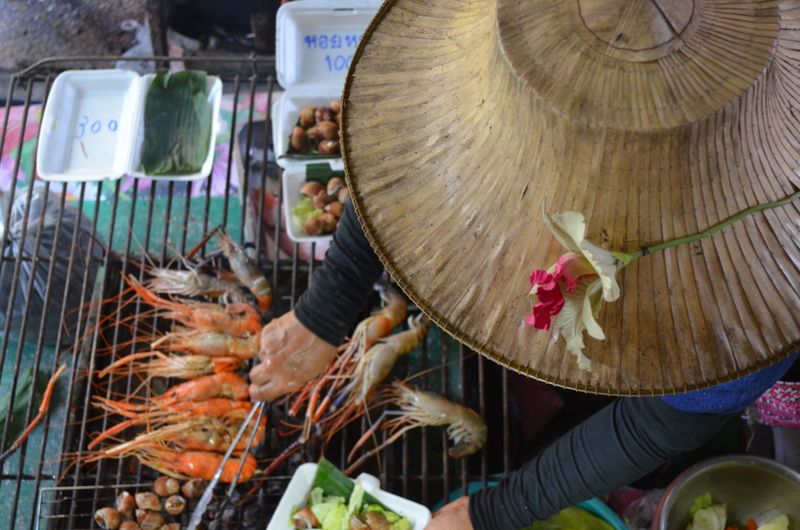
x=426 y=479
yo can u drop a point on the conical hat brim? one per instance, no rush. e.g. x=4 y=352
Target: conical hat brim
x=450 y=149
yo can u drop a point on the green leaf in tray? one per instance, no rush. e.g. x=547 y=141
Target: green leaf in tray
x=335 y=483
x=177 y=124
x=321 y=173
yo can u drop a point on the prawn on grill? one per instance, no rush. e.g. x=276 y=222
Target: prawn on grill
x=194 y=434
x=420 y=408
x=222 y=385
x=355 y=382
x=160 y=414
x=184 y=465
x=246 y=270
x=192 y=283
x=157 y=364
x=208 y=343
x=234 y=319
x=368 y=331
x=369 y=371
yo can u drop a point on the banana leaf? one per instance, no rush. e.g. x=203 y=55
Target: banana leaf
x=177 y=124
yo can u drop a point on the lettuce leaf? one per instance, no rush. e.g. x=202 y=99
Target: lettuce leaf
x=780 y=522
x=703 y=501
x=712 y=518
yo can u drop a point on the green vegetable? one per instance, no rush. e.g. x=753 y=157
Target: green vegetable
x=315 y=497
x=345 y=498
x=177 y=124
x=356 y=500
x=572 y=519
x=334 y=482
x=710 y=518
x=331 y=515
x=22 y=398
x=303 y=211
x=703 y=501
x=397 y=522
x=780 y=522
x=321 y=173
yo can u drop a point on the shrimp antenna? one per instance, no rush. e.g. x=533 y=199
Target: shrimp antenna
x=433 y=369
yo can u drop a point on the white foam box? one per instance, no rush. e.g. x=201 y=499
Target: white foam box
x=299 y=488
x=294 y=177
x=93 y=127
x=315 y=43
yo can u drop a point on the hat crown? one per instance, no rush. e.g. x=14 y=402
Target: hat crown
x=642 y=28
x=637 y=65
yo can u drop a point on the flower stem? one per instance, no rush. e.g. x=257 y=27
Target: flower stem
x=714 y=228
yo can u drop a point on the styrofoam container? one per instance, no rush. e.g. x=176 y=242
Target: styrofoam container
x=93 y=127
x=315 y=43
x=294 y=177
x=299 y=488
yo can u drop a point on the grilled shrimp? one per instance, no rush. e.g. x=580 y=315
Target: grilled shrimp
x=235 y=319
x=158 y=411
x=211 y=343
x=368 y=331
x=246 y=270
x=373 y=367
x=195 y=434
x=184 y=465
x=193 y=283
x=177 y=366
x=228 y=411
x=221 y=385
x=382 y=323
x=370 y=371
x=420 y=408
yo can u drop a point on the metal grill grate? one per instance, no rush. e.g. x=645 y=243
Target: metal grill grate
x=40 y=486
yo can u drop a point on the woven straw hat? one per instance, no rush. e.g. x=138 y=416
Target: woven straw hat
x=653 y=118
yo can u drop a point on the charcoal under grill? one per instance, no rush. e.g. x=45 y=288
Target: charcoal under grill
x=134 y=221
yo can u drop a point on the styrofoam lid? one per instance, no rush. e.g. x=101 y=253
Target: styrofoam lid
x=316 y=40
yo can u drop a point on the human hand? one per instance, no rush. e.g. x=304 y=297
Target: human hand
x=291 y=355
x=454 y=516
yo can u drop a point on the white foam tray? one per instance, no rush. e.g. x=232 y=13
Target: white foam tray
x=315 y=43
x=294 y=177
x=300 y=486
x=93 y=127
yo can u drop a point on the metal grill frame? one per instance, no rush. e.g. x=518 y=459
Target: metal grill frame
x=421 y=479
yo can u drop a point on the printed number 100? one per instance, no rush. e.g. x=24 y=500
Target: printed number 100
x=338 y=63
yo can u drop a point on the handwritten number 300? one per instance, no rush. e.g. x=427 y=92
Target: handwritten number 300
x=95 y=127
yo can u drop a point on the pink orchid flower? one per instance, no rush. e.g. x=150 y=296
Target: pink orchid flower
x=547 y=287
x=567 y=296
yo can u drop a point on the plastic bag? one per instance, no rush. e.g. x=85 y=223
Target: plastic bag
x=639 y=514
x=52 y=245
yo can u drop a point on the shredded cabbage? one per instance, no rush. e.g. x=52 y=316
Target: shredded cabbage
x=711 y=518
x=334 y=514
x=781 y=522
x=703 y=501
x=304 y=210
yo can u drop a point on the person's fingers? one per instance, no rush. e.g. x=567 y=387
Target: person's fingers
x=256 y=393
x=266 y=392
x=261 y=373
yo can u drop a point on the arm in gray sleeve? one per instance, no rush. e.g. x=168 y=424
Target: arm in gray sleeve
x=618 y=445
x=341 y=286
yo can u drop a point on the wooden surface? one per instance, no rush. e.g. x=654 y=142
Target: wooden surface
x=654 y=120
